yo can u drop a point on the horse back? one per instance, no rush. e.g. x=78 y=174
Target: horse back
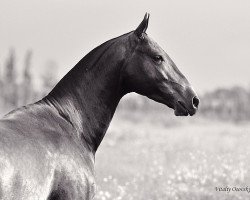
x=38 y=157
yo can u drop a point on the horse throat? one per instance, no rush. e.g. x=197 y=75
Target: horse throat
x=88 y=95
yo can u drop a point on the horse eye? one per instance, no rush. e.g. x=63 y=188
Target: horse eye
x=158 y=59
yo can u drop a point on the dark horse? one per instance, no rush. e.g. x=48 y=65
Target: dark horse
x=47 y=149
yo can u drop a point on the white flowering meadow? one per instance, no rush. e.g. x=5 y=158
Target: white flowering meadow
x=156 y=157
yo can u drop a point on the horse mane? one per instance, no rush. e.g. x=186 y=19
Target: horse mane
x=89 y=61
x=98 y=51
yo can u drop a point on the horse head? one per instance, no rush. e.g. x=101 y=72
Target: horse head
x=151 y=72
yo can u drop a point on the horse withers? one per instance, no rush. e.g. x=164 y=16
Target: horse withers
x=47 y=149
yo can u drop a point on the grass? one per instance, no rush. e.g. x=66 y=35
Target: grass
x=153 y=155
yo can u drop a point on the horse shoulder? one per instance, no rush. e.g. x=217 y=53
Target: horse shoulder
x=73 y=176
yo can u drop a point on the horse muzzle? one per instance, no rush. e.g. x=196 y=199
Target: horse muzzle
x=187 y=107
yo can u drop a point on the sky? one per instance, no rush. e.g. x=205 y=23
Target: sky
x=208 y=40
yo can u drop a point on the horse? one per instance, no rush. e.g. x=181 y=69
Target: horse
x=47 y=149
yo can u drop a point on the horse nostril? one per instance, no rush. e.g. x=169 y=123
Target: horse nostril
x=195 y=102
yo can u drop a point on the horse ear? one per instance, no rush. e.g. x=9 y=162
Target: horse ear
x=142 y=27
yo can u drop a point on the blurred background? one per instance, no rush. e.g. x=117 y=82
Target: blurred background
x=147 y=153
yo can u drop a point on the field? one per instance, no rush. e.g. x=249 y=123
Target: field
x=155 y=155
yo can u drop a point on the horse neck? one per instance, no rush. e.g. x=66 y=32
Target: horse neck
x=89 y=94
